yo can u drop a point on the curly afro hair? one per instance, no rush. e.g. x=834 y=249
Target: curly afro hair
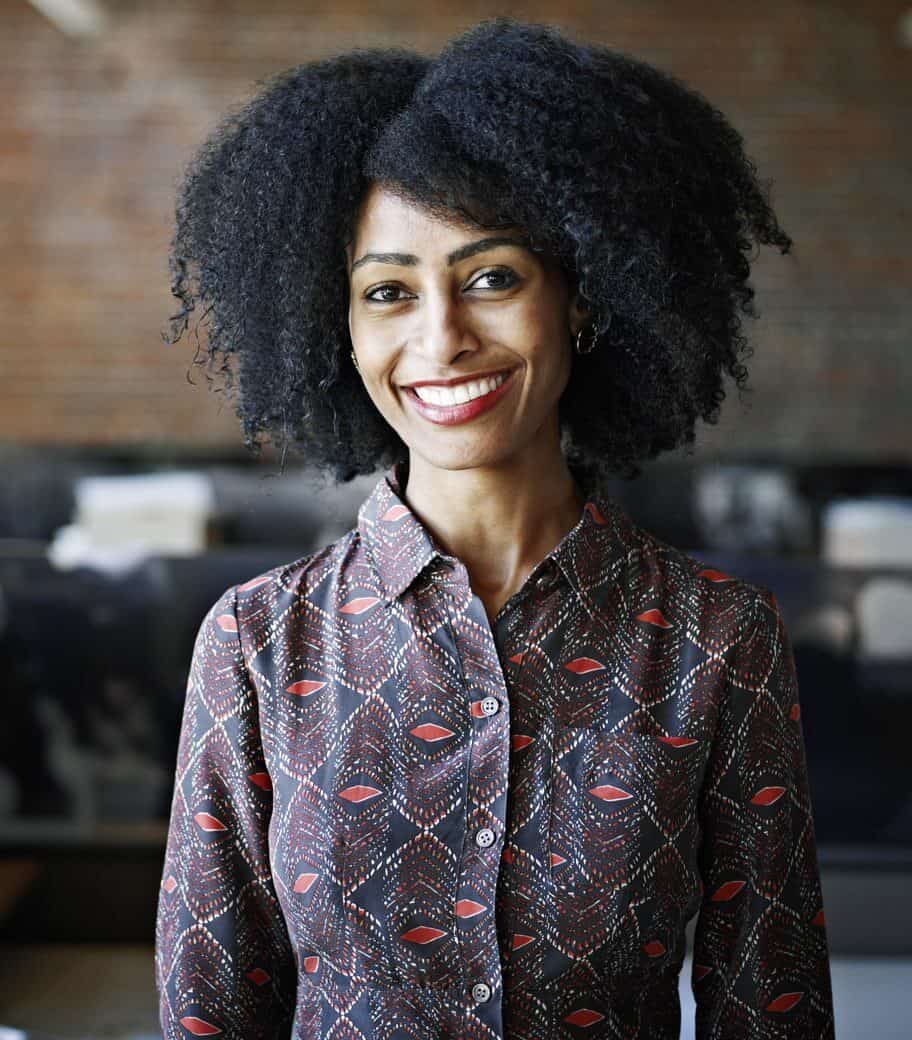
x=634 y=183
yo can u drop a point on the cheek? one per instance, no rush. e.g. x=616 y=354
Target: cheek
x=379 y=378
x=376 y=354
x=552 y=362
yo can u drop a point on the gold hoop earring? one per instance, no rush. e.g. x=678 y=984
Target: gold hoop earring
x=355 y=360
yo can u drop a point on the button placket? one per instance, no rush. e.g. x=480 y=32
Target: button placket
x=486 y=789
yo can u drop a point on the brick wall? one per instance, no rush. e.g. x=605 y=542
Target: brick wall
x=95 y=132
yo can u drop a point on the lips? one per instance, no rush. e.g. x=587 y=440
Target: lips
x=456 y=380
x=455 y=414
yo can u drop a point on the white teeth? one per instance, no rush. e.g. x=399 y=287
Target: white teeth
x=459 y=394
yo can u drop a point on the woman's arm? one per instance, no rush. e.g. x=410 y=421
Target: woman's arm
x=223 y=961
x=760 y=959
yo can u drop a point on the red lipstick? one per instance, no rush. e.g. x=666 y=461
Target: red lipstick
x=454 y=414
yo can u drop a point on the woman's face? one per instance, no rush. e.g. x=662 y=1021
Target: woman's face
x=435 y=303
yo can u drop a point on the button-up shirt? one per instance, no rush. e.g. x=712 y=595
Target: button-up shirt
x=394 y=817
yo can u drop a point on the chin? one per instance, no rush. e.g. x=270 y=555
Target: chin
x=459 y=458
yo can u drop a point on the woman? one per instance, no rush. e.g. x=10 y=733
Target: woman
x=469 y=770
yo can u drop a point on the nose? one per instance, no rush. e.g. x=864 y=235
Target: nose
x=446 y=332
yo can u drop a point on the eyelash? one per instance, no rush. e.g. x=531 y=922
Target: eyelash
x=511 y=277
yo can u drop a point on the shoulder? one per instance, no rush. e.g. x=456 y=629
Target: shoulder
x=709 y=597
x=275 y=592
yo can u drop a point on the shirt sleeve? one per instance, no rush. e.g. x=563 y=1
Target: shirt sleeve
x=224 y=965
x=760 y=957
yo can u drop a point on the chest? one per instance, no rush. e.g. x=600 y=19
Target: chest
x=450 y=790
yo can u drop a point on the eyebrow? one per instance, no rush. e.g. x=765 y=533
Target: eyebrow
x=410 y=260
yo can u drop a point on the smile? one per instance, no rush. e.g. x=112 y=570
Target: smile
x=450 y=395
x=457 y=404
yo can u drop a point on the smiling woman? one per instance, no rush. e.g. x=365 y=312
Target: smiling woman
x=641 y=208
x=454 y=311
x=469 y=770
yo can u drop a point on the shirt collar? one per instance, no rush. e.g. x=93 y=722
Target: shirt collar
x=400 y=546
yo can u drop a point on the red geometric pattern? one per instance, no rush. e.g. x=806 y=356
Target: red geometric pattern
x=625 y=735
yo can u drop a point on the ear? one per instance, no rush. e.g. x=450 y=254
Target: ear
x=578 y=313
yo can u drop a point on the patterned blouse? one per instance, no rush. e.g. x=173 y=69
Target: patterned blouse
x=394 y=819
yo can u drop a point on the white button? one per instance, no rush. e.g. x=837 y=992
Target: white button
x=481 y=991
x=490 y=706
x=484 y=837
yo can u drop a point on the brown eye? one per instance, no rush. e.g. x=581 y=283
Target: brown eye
x=382 y=288
x=508 y=277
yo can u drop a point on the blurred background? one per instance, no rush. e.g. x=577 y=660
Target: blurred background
x=128 y=503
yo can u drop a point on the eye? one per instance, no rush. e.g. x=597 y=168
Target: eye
x=382 y=288
x=508 y=276
x=502 y=278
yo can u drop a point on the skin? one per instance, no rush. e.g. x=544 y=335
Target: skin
x=495 y=492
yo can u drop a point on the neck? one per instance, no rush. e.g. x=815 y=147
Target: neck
x=500 y=520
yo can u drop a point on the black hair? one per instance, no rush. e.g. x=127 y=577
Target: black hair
x=633 y=182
